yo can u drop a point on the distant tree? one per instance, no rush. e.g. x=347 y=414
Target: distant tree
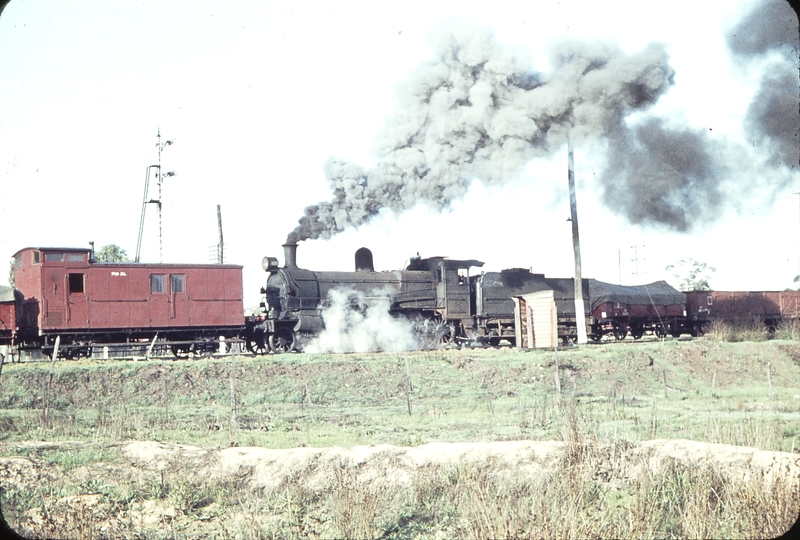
x=11 y=274
x=111 y=253
x=691 y=275
x=797 y=282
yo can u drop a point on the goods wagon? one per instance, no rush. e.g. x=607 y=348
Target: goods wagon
x=742 y=307
x=85 y=302
x=656 y=307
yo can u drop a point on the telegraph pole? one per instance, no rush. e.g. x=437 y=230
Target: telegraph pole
x=580 y=312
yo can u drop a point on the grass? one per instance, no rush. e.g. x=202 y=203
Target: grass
x=744 y=330
x=345 y=400
x=612 y=395
x=587 y=493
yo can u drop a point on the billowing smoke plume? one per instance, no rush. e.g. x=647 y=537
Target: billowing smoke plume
x=478 y=111
x=354 y=323
x=655 y=174
x=773 y=118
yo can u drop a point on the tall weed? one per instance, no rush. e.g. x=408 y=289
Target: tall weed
x=737 y=331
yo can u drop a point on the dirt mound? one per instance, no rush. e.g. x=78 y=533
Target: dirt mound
x=396 y=466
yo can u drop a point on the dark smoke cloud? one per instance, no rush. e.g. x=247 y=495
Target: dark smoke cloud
x=770 y=26
x=774 y=114
x=478 y=111
x=661 y=175
x=773 y=118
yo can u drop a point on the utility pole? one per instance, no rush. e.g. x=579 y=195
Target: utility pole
x=580 y=312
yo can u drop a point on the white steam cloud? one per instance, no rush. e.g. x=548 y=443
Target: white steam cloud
x=355 y=322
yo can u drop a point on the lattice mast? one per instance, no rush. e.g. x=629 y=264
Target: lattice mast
x=159 y=180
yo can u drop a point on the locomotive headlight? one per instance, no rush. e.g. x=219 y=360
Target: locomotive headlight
x=269 y=264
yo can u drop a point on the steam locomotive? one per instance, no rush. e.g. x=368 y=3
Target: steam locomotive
x=446 y=303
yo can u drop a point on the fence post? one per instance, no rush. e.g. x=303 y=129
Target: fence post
x=713 y=382
x=50 y=380
x=557 y=377
x=408 y=386
x=769 y=380
x=166 y=397
x=306 y=397
x=233 y=395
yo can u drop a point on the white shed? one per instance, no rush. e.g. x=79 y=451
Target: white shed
x=535 y=320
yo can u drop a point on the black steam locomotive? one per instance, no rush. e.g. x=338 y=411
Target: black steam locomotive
x=445 y=303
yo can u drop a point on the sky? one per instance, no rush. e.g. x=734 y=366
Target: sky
x=432 y=127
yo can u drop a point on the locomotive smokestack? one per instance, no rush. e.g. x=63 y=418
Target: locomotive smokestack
x=290 y=255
